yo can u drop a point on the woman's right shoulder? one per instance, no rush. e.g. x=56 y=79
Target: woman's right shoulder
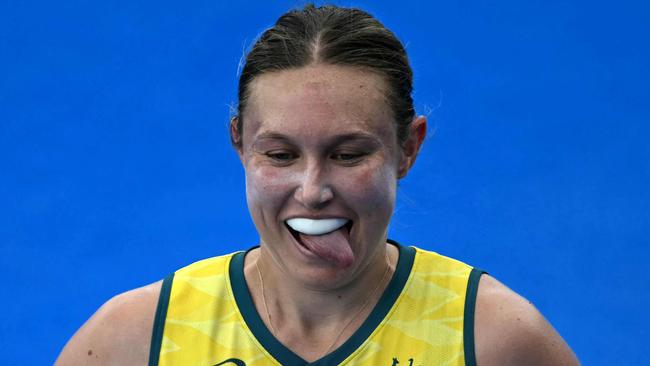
x=119 y=333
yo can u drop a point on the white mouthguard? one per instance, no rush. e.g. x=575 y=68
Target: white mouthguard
x=315 y=227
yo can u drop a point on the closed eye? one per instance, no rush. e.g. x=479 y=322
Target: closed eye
x=347 y=157
x=281 y=156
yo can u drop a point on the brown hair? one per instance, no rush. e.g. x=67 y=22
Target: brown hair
x=332 y=35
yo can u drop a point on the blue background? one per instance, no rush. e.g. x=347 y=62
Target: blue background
x=116 y=169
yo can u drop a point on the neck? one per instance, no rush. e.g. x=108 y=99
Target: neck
x=297 y=313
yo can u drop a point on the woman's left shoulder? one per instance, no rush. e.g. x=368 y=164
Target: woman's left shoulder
x=509 y=330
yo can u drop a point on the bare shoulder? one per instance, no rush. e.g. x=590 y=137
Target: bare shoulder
x=509 y=330
x=119 y=333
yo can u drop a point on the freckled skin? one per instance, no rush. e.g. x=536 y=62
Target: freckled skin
x=293 y=155
x=314 y=302
x=310 y=108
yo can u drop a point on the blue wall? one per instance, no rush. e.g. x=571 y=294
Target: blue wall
x=115 y=167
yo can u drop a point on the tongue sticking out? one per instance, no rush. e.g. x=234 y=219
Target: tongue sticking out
x=334 y=246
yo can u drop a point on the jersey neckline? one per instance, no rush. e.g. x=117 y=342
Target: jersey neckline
x=287 y=357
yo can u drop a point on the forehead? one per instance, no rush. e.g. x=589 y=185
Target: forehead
x=321 y=99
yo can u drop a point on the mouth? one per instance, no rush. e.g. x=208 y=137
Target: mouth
x=303 y=226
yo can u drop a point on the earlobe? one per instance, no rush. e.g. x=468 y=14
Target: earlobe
x=417 y=133
x=235 y=136
x=234 y=131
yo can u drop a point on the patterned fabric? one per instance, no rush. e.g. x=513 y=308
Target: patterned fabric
x=424 y=317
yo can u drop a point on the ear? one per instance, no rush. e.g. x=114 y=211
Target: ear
x=235 y=136
x=411 y=147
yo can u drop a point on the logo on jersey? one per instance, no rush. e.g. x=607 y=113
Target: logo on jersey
x=396 y=362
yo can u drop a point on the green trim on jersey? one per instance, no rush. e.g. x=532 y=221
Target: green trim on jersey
x=421 y=279
x=468 y=322
x=287 y=357
x=159 y=320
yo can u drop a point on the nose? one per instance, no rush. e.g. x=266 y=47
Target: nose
x=313 y=190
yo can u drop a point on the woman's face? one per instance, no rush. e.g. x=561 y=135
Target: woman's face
x=319 y=142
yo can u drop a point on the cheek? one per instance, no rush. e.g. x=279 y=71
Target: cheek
x=266 y=186
x=374 y=189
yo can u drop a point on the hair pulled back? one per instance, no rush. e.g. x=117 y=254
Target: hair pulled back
x=337 y=36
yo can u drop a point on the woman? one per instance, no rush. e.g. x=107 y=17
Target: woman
x=325 y=129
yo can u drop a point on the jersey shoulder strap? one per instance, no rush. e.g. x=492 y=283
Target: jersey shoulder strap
x=192 y=300
x=443 y=291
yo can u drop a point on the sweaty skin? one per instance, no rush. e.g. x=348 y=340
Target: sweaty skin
x=319 y=142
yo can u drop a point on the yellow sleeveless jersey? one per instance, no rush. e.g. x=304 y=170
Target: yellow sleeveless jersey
x=425 y=317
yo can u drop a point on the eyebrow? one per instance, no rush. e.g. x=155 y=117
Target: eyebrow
x=272 y=136
x=335 y=140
